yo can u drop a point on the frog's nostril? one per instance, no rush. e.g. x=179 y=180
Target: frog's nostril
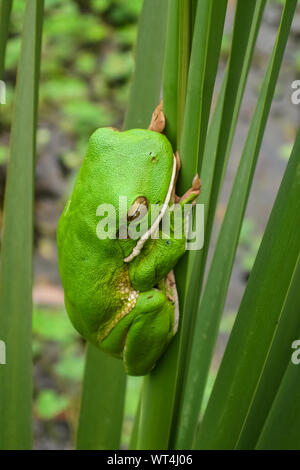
x=154 y=159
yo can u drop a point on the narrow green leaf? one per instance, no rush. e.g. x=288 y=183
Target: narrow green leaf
x=244 y=38
x=176 y=65
x=208 y=31
x=242 y=42
x=5 y=10
x=170 y=75
x=194 y=4
x=16 y=255
x=100 y=420
x=135 y=429
x=260 y=310
x=206 y=46
x=160 y=387
x=275 y=366
x=184 y=50
x=150 y=49
x=156 y=417
x=246 y=26
x=101 y=413
x=191 y=395
x=281 y=431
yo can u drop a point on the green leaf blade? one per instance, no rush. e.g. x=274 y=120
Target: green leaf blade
x=102 y=402
x=150 y=49
x=16 y=255
x=231 y=93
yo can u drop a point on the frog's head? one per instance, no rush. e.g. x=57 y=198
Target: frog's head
x=137 y=164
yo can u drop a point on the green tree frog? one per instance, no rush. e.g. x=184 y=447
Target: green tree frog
x=120 y=293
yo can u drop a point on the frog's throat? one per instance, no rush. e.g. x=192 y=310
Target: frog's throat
x=138 y=247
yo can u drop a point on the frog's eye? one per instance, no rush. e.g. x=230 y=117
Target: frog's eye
x=138 y=209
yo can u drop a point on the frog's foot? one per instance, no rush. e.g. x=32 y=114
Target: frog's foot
x=141 y=337
x=191 y=195
x=158 y=121
x=149 y=333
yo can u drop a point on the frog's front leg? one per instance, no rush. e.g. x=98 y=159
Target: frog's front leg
x=157 y=258
x=141 y=336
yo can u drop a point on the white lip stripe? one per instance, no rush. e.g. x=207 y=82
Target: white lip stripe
x=137 y=249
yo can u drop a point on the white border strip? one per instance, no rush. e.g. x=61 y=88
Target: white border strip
x=137 y=249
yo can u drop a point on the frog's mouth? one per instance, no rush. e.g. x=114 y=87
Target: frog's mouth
x=138 y=247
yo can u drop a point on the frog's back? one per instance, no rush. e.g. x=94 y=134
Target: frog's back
x=90 y=267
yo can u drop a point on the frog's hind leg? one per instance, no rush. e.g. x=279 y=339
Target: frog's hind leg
x=150 y=332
